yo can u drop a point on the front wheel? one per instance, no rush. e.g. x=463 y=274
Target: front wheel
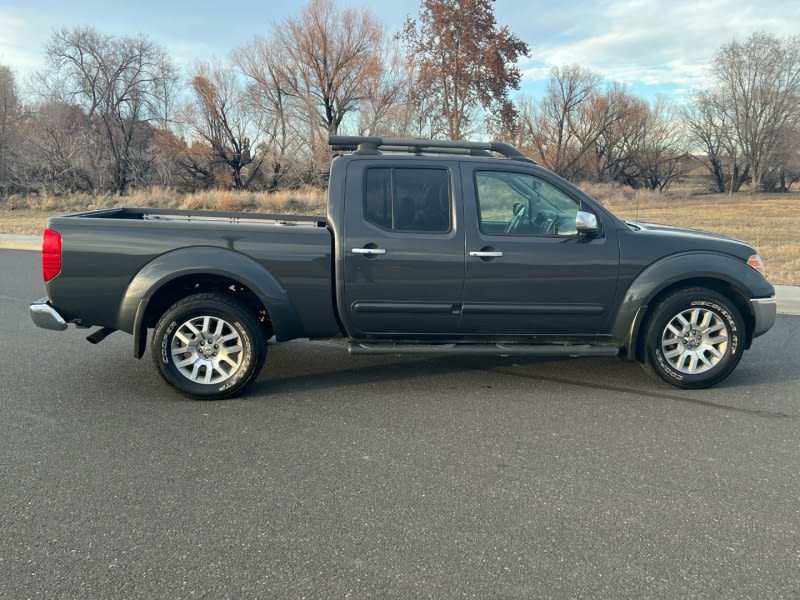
x=694 y=339
x=209 y=346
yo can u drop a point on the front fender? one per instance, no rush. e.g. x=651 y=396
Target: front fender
x=205 y=260
x=691 y=268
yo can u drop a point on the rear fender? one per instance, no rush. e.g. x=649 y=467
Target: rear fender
x=205 y=260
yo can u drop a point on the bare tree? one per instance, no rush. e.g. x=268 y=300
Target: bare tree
x=571 y=120
x=220 y=116
x=614 y=155
x=9 y=117
x=387 y=94
x=331 y=55
x=285 y=143
x=786 y=170
x=583 y=133
x=465 y=61
x=662 y=147
x=119 y=83
x=561 y=115
x=62 y=154
x=709 y=121
x=314 y=72
x=761 y=77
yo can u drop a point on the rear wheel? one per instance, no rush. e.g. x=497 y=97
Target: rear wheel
x=209 y=346
x=694 y=339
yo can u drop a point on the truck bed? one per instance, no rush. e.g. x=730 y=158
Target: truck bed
x=105 y=250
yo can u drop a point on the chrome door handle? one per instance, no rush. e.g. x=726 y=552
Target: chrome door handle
x=486 y=253
x=369 y=251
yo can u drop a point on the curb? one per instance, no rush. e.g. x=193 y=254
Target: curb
x=788 y=296
x=788 y=299
x=20 y=242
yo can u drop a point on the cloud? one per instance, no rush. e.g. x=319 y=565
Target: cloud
x=20 y=45
x=652 y=43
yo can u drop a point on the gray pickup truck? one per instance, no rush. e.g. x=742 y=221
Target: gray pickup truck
x=427 y=247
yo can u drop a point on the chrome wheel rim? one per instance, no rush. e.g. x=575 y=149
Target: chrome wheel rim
x=694 y=341
x=207 y=350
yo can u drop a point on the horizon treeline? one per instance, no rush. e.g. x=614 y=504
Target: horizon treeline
x=110 y=114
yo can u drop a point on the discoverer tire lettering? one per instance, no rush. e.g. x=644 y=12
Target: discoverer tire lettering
x=693 y=338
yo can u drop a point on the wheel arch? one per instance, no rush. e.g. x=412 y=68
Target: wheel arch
x=177 y=274
x=723 y=274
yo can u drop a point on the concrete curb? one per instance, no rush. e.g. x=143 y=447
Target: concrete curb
x=788 y=299
x=788 y=296
x=20 y=242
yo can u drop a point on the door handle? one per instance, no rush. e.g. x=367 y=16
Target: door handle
x=369 y=251
x=486 y=253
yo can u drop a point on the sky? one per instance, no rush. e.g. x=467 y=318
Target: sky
x=652 y=47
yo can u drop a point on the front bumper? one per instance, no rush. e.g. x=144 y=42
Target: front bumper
x=45 y=316
x=764 y=311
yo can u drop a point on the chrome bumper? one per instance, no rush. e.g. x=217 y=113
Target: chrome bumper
x=45 y=316
x=764 y=313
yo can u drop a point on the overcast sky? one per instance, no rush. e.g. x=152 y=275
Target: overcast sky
x=653 y=47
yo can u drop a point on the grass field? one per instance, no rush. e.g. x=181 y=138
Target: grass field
x=769 y=222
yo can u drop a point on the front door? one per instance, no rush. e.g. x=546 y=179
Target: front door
x=528 y=271
x=403 y=252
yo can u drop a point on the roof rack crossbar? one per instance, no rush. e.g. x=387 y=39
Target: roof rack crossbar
x=374 y=144
x=415 y=149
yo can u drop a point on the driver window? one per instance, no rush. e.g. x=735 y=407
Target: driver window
x=521 y=204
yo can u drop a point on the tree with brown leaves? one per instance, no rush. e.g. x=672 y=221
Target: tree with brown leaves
x=221 y=117
x=465 y=61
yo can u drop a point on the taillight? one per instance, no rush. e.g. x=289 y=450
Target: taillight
x=758 y=264
x=51 y=254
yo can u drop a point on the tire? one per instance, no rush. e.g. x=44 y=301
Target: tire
x=694 y=339
x=209 y=346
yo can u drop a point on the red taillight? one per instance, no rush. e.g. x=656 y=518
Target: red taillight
x=51 y=254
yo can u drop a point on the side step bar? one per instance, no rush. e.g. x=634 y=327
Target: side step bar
x=483 y=349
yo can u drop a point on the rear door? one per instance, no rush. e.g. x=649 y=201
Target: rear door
x=403 y=254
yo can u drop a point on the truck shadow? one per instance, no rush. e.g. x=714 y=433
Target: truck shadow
x=304 y=370
x=389 y=370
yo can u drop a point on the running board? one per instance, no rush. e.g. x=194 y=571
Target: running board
x=484 y=349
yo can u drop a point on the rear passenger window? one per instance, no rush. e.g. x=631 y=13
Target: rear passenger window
x=412 y=200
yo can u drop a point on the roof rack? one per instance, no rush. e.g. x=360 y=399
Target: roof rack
x=374 y=145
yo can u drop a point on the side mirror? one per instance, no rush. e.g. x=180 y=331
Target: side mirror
x=586 y=222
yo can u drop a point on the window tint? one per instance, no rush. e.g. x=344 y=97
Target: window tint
x=521 y=204
x=414 y=200
x=378 y=198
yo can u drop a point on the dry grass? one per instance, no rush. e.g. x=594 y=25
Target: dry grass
x=769 y=222
x=27 y=215
x=304 y=200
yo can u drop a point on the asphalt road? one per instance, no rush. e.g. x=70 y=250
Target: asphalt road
x=363 y=477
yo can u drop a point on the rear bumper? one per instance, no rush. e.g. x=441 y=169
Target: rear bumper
x=45 y=316
x=764 y=314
